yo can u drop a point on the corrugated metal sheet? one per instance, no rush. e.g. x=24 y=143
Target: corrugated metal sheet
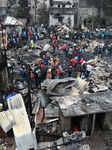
x=6 y=120
x=11 y=21
x=21 y=129
x=84 y=104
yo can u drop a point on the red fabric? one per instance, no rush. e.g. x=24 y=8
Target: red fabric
x=76 y=129
x=63 y=46
x=81 y=60
x=37 y=63
x=32 y=76
x=73 y=61
x=42 y=66
x=57 y=72
x=20 y=38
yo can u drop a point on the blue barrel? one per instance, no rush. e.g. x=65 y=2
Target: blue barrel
x=10 y=95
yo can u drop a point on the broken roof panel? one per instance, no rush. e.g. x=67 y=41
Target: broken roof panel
x=62 y=87
x=21 y=129
x=85 y=104
x=50 y=84
x=6 y=120
x=11 y=21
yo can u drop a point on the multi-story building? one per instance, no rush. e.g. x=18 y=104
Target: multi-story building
x=73 y=11
x=4 y=9
x=62 y=11
x=34 y=5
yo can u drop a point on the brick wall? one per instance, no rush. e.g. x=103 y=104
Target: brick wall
x=107 y=121
x=64 y=123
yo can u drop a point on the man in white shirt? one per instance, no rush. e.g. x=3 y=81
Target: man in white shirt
x=88 y=70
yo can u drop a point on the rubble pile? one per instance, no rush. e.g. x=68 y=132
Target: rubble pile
x=71 y=96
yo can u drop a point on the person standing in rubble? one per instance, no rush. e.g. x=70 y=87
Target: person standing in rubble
x=88 y=69
x=49 y=73
x=33 y=46
x=45 y=60
x=64 y=48
x=32 y=78
x=104 y=50
x=23 y=73
x=99 y=53
x=14 y=40
x=57 y=72
x=70 y=69
x=100 y=34
x=38 y=74
x=83 y=70
x=29 y=34
x=70 y=53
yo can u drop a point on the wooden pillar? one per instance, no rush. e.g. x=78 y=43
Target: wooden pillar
x=4 y=79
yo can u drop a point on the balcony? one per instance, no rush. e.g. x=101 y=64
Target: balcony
x=62 y=11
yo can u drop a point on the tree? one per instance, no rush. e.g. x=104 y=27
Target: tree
x=22 y=10
x=43 y=14
x=108 y=7
x=12 y=2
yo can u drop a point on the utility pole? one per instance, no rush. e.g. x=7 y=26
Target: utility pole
x=92 y=21
x=35 y=9
x=3 y=61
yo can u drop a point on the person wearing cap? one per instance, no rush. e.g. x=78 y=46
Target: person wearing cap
x=23 y=73
x=37 y=63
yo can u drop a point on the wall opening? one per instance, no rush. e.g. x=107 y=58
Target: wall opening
x=84 y=123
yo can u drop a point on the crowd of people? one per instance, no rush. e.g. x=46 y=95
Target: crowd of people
x=51 y=67
x=104 y=34
x=29 y=33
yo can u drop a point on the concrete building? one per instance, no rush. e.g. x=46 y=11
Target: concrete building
x=61 y=11
x=4 y=9
x=34 y=5
x=73 y=11
x=88 y=8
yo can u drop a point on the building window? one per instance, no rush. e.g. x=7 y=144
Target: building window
x=60 y=20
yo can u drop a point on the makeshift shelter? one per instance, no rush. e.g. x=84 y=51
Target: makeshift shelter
x=24 y=21
x=12 y=24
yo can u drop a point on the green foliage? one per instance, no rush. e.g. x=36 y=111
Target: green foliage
x=23 y=3
x=43 y=14
x=12 y=2
x=108 y=8
x=22 y=11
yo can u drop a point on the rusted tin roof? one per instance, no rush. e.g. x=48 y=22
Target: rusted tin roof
x=11 y=21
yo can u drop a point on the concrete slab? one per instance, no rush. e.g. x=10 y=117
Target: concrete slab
x=96 y=143
x=106 y=135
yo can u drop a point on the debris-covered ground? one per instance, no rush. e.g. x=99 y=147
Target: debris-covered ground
x=68 y=92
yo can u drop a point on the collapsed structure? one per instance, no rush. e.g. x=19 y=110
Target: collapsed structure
x=63 y=111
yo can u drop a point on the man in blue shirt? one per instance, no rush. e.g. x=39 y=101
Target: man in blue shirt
x=46 y=60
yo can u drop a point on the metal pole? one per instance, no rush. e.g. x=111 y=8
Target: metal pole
x=29 y=89
x=35 y=9
x=93 y=124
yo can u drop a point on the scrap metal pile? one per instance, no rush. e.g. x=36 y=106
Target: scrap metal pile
x=44 y=101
